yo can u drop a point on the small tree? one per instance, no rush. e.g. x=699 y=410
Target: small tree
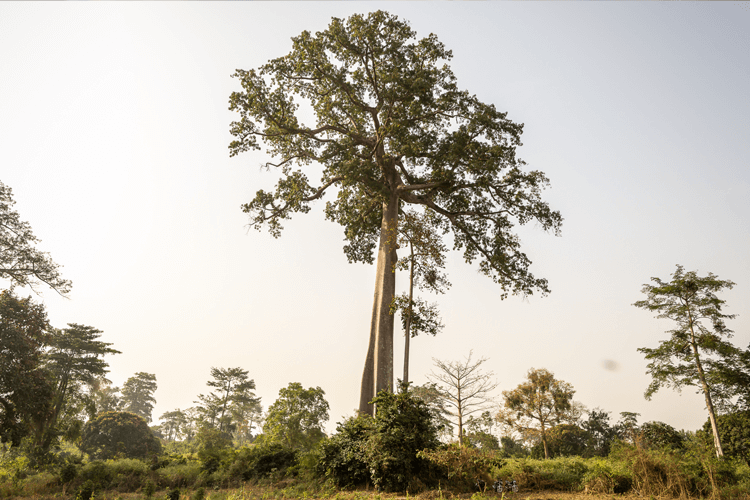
x=467 y=389
x=539 y=404
x=138 y=394
x=172 y=424
x=118 y=434
x=297 y=417
x=689 y=356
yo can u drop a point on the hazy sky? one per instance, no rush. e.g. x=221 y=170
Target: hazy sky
x=114 y=134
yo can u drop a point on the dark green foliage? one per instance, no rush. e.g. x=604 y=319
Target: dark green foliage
x=296 y=418
x=262 y=461
x=173 y=494
x=86 y=490
x=382 y=450
x=213 y=447
x=25 y=389
x=138 y=395
x=734 y=430
x=342 y=455
x=119 y=434
x=200 y=494
x=68 y=472
x=512 y=448
x=148 y=488
x=661 y=435
x=600 y=434
x=563 y=440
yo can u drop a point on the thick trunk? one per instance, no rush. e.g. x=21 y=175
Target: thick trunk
x=378 y=372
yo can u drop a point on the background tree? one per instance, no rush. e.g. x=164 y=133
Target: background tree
x=247 y=415
x=466 y=388
x=75 y=361
x=105 y=397
x=479 y=432
x=425 y=260
x=172 y=424
x=118 y=434
x=600 y=433
x=627 y=427
x=20 y=262
x=138 y=395
x=391 y=128
x=734 y=431
x=564 y=440
x=297 y=417
x=234 y=387
x=685 y=359
x=539 y=404
x=25 y=390
x=430 y=394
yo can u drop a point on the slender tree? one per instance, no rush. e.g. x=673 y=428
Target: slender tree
x=696 y=352
x=233 y=386
x=20 y=261
x=539 y=404
x=425 y=261
x=466 y=389
x=138 y=395
x=172 y=424
x=392 y=128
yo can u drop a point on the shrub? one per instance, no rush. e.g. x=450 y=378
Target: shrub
x=463 y=467
x=98 y=473
x=262 y=461
x=661 y=435
x=68 y=472
x=179 y=475
x=119 y=434
x=173 y=494
x=382 y=449
x=86 y=490
x=342 y=457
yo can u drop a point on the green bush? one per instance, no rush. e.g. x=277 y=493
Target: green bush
x=463 y=467
x=261 y=461
x=99 y=473
x=119 y=434
x=179 y=475
x=383 y=450
x=342 y=456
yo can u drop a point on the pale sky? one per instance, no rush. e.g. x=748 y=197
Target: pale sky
x=114 y=134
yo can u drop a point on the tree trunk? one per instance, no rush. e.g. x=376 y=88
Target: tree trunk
x=378 y=372
x=706 y=391
x=408 y=318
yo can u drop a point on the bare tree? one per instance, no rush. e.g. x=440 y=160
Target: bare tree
x=467 y=389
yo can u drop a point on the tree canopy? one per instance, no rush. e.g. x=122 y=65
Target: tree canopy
x=138 y=395
x=297 y=417
x=537 y=405
x=391 y=128
x=20 y=261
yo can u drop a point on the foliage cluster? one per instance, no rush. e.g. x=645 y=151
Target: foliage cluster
x=383 y=450
x=119 y=434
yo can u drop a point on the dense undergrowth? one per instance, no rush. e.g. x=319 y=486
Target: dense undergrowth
x=648 y=473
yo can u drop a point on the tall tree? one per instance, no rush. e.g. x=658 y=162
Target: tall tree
x=297 y=417
x=233 y=386
x=689 y=357
x=425 y=261
x=466 y=389
x=539 y=404
x=20 y=261
x=392 y=128
x=75 y=360
x=138 y=395
x=105 y=397
x=25 y=390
